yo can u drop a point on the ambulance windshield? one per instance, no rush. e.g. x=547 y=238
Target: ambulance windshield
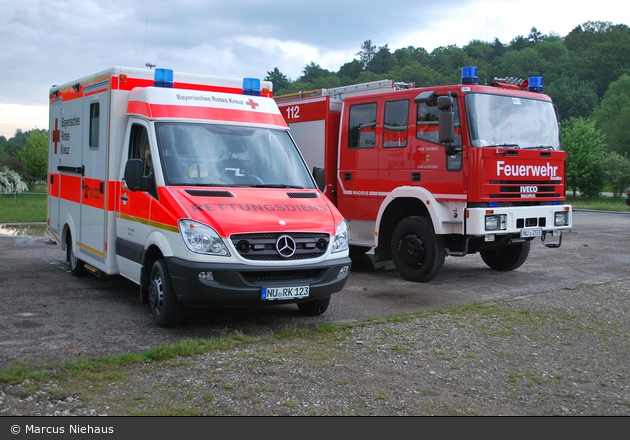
x=514 y=122
x=227 y=155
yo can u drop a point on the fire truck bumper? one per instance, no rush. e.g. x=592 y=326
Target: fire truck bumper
x=528 y=221
x=237 y=284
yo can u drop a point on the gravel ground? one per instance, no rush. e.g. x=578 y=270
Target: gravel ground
x=560 y=353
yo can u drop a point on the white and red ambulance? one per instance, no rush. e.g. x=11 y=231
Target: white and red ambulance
x=192 y=187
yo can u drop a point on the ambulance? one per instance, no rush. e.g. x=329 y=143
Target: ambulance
x=192 y=187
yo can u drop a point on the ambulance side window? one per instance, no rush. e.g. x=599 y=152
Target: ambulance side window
x=94 y=119
x=139 y=147
x=396 y=124
x=362 y=126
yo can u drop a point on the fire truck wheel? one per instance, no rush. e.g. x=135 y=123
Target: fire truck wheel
x=77 y=266
x=315 y=307
x=165 y=306
x=418 y=253
x=507 y=257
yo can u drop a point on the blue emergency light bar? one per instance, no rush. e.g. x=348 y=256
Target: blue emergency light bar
x=469 y=75
x=163 y=78
x=535 y=84
x=251 y=86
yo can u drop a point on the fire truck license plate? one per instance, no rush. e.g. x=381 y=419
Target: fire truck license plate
x=284 y=292
x=531 y=232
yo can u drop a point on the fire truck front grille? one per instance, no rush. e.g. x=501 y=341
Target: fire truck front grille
x=281 y=246
x=523 y=190
x=288 y=275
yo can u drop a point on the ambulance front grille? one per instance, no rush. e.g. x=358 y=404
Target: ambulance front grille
x=288 y=275
x=293 y=245
x=209 y=193
x=302 y=195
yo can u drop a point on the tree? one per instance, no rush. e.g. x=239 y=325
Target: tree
x=613 y=114
x=349 y=72
x=617 y=172
x=584 y=145
x=382 y=62
x=535 y=35
x=11 y=182
x=572 y=97
x=35 y=155
x=312 y=72
x=279 y=80
x=367 y=52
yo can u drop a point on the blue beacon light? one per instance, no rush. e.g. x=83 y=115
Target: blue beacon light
x=469 y=75
x=535 y=84
x=163 y=78
x=251 y=86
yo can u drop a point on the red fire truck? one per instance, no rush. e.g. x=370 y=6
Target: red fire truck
x=420 y=173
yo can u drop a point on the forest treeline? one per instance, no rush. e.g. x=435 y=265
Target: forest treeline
x=586 y=73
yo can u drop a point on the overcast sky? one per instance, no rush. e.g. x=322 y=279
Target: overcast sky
x=56 y=41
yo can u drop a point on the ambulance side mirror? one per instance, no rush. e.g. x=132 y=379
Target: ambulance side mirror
x=320 y=177
x=133 y=174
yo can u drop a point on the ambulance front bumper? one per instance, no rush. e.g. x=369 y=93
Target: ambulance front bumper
x=238 y=284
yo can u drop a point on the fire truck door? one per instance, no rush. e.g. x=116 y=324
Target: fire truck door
x=394 y=151
x=357 y=176
x=94 y=181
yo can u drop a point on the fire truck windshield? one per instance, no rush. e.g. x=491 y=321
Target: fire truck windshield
x=229 y=155
x=510 y=121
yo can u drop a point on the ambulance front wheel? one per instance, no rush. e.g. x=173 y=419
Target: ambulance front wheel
x=314 y=307
x=418 y=253
x=77 y=266
x=165 y=306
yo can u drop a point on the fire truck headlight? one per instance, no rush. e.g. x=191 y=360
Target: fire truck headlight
x=561 y=218
x=496 y=222
x=340 y=243
x=202 y=239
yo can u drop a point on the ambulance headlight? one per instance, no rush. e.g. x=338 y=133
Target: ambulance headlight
x=496 y=222
x=202 y=239
x=340 y=243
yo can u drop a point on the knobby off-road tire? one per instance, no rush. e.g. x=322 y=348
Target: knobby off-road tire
x=166 y=308
x=507 y=257
x=418 y=253
x=315 y=307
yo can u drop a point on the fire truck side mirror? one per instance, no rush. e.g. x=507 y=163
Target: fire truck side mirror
x=320 y=177
x=133 y=174
x=447 y=119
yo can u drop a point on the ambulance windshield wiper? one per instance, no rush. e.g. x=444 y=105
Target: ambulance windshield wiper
x=276 y=185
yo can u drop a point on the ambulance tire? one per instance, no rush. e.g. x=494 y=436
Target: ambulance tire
x=315 y=307
x=418 y=253
x=77 y=266
x=506 y=258
x=166 y=308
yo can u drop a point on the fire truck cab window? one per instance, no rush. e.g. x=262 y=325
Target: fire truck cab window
x=396 y=124
x=427 y=124
x=362 y=126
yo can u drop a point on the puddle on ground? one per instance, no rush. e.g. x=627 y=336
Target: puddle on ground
x=23 y=229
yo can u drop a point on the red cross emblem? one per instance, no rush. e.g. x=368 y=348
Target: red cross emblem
x=56 y=134
x=252 y=104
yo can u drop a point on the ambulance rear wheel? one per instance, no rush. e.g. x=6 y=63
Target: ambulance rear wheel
x=77 y=266
x=418 y=253
x=165 y=306
x=315 y=307
x=506 y=258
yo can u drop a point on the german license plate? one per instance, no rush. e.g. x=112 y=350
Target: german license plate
x=536 y=232
x=271 y=293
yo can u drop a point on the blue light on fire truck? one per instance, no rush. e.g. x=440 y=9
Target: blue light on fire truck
x=163 y=78
x=469 y=75
x=251 y=86
x=535 y=84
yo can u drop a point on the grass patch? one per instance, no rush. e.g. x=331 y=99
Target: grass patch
x=601 y=203
x=23 y=208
